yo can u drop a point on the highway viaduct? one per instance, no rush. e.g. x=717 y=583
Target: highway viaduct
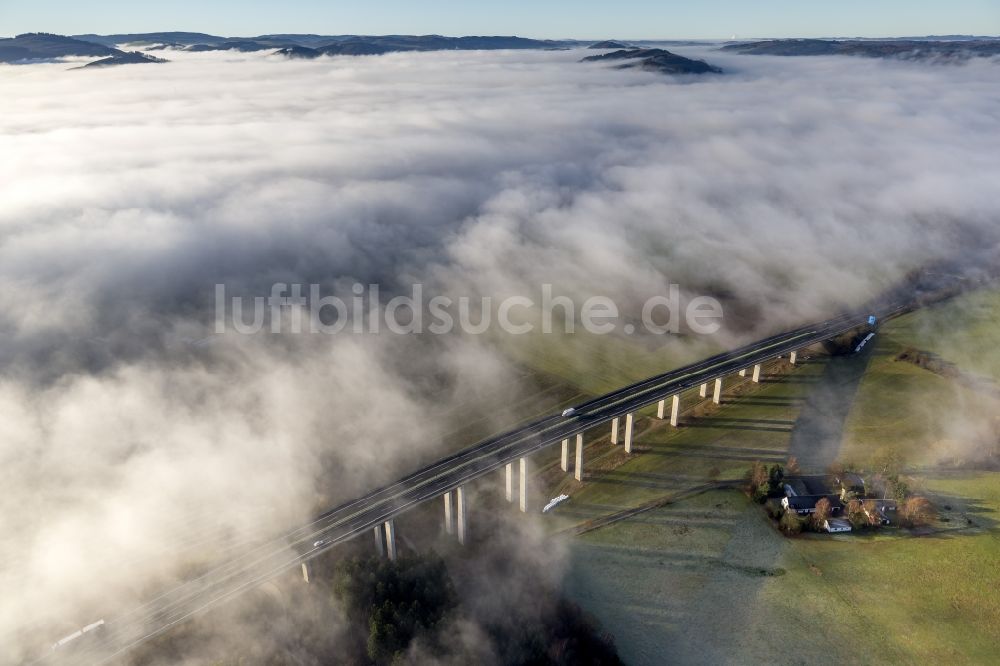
x=516 y=473
x=447 y=479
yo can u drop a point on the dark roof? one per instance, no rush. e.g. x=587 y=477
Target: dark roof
x=805 y=502
x=811 y=484
x=797 y=486
x=851 y=480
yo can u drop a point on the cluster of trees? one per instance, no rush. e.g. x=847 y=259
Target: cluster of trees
x=791 y=523
x=394 y=601
x=766 y=482
x=913 y=511
x=886 y=470
x=392 y=606
x=885 y=475
x=862 y=513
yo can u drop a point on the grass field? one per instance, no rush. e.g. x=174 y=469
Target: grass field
x=596 y=364
x=963 y=330
x=712 y=443
x=557 y=371
x=707 y=580
x=927 y=418
x=919 y=600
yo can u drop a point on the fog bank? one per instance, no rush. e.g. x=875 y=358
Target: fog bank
x=787 y=188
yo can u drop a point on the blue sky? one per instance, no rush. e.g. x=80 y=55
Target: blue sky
x=584 y=19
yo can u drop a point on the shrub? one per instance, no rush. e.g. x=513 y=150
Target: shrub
x=871 y=512
x=820 y=516
x=774 y=509
x=761 y=493
x=856 y=514
x=900 y=489
x=775 y=476
x=757 y=475
x=791 y=524
x=916 y=511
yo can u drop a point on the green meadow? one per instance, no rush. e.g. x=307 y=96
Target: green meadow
x=699 y=575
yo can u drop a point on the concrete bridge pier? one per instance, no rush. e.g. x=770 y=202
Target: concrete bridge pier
x=675 y=409
x=756 y=374
x=564 y=461
x=717 y=395
x=628 y=432
x=510 y=482
x=390 y=539
x=578 y=468
x=460 y=511
x=660 y=407
x=743 y=372
x=614 y=430
x=523 y=479
x=379 y=541
x=305 y=572
x=449 y=525
x=793 y=357
x=703 y=390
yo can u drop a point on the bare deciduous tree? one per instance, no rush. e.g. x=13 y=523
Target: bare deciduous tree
x=856 y=513
x=790 y=523
x=916 y=511
x=821 y=514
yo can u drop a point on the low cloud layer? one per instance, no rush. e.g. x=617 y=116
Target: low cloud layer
x=789 y=188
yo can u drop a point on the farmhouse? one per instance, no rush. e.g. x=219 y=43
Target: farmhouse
x=806 y=504
x=802 y=493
